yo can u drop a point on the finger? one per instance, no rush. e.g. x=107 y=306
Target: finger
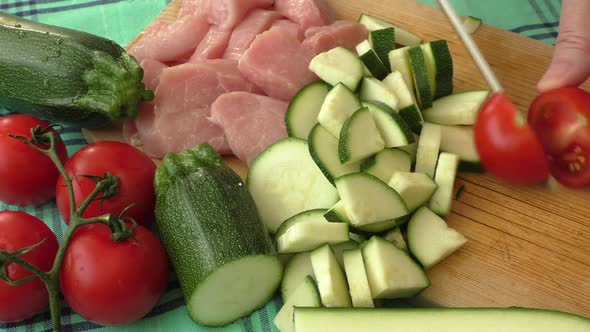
x=571 y=61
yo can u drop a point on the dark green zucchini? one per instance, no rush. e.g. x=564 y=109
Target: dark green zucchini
x=208 y=222
x=67 y=76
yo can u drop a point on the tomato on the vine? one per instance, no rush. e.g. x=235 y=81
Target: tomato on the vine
x=508 y=147
x=27 y=176
x=19 y=230
x=134 y=169
x=560 y=118
x=113 y=283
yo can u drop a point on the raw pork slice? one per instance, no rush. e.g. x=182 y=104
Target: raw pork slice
x=151 y=72
x=340 y=33
x=170 y=42
x=291 y=27
x=213 y=45
x=277 y=63
x=306 y=13
x=250 y=122
x=193 y=7
x=256 y=22
x=228 y=13
x=182 y=107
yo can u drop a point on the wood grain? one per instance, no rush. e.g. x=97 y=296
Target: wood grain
x=528 y=246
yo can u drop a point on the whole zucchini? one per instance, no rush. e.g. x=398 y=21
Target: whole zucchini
x=67 y=76
x=208 y=222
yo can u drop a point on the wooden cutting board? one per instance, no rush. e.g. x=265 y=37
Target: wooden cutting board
x=527 y=246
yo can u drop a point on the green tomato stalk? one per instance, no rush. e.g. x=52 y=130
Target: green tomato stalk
x=106 y=185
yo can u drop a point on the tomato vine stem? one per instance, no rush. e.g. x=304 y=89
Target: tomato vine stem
x=117 y=224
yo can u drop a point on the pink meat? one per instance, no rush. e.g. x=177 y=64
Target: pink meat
x=193 y=7
x=277 y=63
x=213 y=45
x=291 y=26
x=228 y=13
x=250 y=122
x=151 y=72
x=306 y=13
x=256 y=22
x=169 y=42
x=340 y=33
x=182 y=107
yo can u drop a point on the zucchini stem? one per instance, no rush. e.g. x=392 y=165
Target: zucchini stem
x=120 y=230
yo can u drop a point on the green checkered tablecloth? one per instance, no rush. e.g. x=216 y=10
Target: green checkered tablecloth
x=121 y=20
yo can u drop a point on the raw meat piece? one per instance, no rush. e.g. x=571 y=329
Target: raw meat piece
x=193 y=7
x=255 y=23
x=129 y=129
x=182 y=106
x=306 y=13
x=151 y=72
x=277 y=63
x=213 y=45
x=291 y=26
x=169 y=42
x=250 y=122
x=340 y=33
x=228 y=13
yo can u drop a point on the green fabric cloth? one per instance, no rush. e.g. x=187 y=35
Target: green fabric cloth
x=121 y=20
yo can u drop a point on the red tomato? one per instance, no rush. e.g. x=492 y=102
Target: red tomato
x=508 y=149
x=27 y=176
x=134 y=169
x=113 y=283
x=19 y=230
x=560 y=119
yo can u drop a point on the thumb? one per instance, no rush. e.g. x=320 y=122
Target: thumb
x=571 y=61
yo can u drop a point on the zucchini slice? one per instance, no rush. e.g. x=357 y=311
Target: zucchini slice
x=316 y=215
x=391 y=271
x=338 y=65
x=369 y=200
x=415 y=188
x=295 y=272
x=439 y=64
x=371 y=60
x=408 y=109
x=284 y=180
x=359 y=137
x=421 y=77
x=196 y=197
x=383 y=42
x=340 y=248
x=306 y=295
x=471 y=24
x=330 y=277
x=403 y=37
x=457 y=109
x=430 y=238
x=396 y=238
x=437 y=319
x=307 y=236
x=373 y=89
x=428 y=149
x=323 y=148
x=446 y=172
x=304 y=108
x=356 y=275
x=339 y=105
x=393 y=129
x=387 y=162
x=400 y=61
x=460 y=141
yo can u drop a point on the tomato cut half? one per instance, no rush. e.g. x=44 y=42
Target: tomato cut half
x=507 y=146
x=559 y=118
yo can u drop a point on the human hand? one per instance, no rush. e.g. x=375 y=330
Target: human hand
x=571 y=61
